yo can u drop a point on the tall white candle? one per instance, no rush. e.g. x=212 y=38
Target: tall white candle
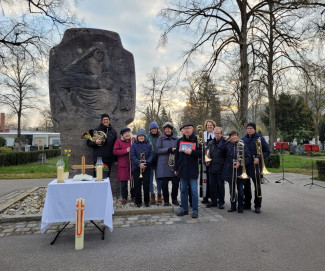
x=99 y=173
x=60 y=171
x=80 y=223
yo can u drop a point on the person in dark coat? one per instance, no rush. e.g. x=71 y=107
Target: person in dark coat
x=217 y=184
x=166 y=148
x=254 y=168
x=141 y=147
x=187 y=169
x=152 y=137
x=233 y=168
x=121 y=149
x=104 y=148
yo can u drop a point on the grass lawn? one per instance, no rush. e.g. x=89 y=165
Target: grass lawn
x=297 y=164
x=292 y=163
x=30 y=171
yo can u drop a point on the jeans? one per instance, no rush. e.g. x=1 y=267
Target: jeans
x=217 y=188
x=240 y=194
x=194 y=192
x=158 y=182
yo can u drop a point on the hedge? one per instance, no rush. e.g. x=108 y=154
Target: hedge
x=321 y=168
x=273 y=161
x=19 y=158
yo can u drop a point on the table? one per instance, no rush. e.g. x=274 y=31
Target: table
x=60 y=202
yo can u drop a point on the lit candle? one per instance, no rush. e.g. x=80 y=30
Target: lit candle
x=60 y=177
x=80 y=223
x=99 y=173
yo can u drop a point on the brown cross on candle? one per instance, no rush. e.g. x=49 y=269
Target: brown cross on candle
x=83 y=165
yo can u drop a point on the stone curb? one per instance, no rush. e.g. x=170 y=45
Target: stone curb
x=6 y=205
x=129 y=211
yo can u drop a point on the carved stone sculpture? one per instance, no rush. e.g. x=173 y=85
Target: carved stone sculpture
x=90 y=74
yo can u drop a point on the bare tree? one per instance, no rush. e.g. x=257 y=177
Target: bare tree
x=28 y=24
x=313 y=91
x=157 y=92
x=220 y=25
x=19 y=90
x=47 y=123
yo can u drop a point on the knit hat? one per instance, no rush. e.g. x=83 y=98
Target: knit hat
x=141 y=132
x=186 y=125
x=153 y=125
x=124 y=130
x=251 y=124
x=104 y=116
x=169 y=125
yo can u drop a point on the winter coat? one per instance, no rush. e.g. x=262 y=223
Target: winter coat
x=217 y=155
x=186 y=165
x=250 y=141
x=106 y=150
x=153 y=141
x=231 y=154
x=141 y=147
x=123 y=162
x=163 y=144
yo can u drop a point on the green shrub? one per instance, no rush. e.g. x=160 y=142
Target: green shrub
x=18 y=158
x=273 y=161
x=4 y=149
x=3 y=141
x=321 y=168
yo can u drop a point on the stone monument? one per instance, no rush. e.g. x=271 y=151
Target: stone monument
x=90 y=73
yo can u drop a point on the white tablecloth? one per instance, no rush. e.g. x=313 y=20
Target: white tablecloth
x=60 y=202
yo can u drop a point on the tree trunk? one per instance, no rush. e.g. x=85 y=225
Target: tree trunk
x=244 y=69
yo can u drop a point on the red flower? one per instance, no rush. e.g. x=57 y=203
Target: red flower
x=105 y=167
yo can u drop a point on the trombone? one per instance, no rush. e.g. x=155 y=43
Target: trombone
x=257 y=169
x=240 y=158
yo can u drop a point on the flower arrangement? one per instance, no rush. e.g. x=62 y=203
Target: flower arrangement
x=105 y=167
x=66 y=158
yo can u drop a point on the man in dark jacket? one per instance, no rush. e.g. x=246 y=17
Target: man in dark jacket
x=254 y=168
x=217 y=184
x=187 y=168
x=104 y=147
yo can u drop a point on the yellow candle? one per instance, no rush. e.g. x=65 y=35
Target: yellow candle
x=60 y=171
x=80 y=223
x=99 y=173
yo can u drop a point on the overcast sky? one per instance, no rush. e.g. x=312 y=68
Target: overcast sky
x=139 y=27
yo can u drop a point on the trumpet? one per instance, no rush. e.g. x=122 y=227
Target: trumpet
x=171 y=160
x=257 y=169
x=142 y=160
x=240 y=158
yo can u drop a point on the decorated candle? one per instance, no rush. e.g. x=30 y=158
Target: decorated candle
x=80 y=223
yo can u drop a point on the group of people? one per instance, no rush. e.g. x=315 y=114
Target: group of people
x=164 y=157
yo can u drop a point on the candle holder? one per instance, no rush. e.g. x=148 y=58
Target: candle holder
x=99 y=170
x=60 y=170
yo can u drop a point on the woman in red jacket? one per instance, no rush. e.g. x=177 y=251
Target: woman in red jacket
x=121 y=150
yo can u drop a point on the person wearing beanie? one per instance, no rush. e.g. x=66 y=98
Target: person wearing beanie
x=187 y=169
x=141 y=157
x=121 y=149
x=152 y=137
x=104 y=147
x=254 y=168
x=166 y=148
x=233 y=168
